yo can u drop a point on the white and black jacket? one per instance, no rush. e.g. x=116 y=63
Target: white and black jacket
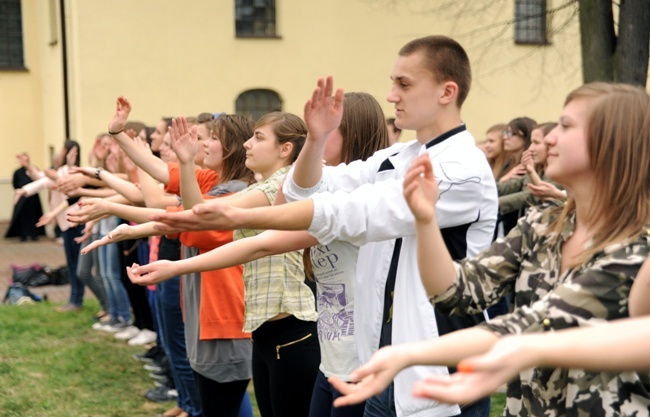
x=363 y=203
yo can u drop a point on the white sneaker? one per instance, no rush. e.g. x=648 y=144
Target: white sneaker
x=144 y=337
x=128 y=333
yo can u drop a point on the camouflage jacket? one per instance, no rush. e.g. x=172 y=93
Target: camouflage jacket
x=527 y=264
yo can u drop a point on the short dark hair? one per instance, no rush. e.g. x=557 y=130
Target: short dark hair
x=446 y=60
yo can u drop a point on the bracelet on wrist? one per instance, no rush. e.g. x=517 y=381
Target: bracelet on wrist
x=97 y=172
x=116 y=133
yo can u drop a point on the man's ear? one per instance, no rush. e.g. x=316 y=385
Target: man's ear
x=449 y=93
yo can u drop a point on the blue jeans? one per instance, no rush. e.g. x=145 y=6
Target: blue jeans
x=323 y=397
x=171 y=318
x=85 y=273
x=72 y=249
x=383 y=405
x=109 y=267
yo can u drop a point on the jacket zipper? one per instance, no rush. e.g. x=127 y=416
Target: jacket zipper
x=278 y=347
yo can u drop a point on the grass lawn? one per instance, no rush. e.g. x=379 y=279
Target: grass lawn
x=54 y=364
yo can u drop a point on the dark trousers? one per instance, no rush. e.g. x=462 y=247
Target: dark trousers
x=72 y=249
x=286 y=356
x=223 y=399
x=323 y=397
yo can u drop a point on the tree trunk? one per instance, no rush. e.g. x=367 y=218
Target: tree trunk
x=597 y=39
x=631 y=57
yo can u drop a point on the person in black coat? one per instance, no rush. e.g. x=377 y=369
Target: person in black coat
x=26 y=212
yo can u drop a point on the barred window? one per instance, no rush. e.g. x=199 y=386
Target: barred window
x=255 y=18
x=530 y=22
x=255 y=103
x=11 y=35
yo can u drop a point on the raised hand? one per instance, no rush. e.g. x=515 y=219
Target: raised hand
x=122 y=111
x=23 y=159
x=421 y=189
x=152 y=273
x=206 y=216
x=323 y=112
x=183 y=140
x=90 y=209
x=373 y=377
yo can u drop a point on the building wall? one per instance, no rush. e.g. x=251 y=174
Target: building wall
x=172 y=58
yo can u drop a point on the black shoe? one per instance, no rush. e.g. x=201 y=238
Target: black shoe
x=160 y=375
x=161 y=394
x=151 y=355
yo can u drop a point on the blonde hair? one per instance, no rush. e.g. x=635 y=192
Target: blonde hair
x=499 y=161
x=618 y=146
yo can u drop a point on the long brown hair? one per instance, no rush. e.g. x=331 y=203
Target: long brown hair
x=363 y=127
x=232 y=130
x=618 y=146
x=364 y=132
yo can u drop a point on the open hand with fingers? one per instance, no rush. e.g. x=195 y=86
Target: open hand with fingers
x=421 y=189
x=184 y=140
x=121 y=232
x=122 y=111
x=479 y=376
x=90 y=209
x=206 y=216
x=323 y=112
x=373 y=377
x=45 y=219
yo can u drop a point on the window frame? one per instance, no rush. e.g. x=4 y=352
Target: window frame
x=531 y=29
x=12 y=36
x=258 y=111
x=261 y=25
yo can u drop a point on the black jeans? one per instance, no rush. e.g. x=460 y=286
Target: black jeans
x=286 y=355
x=220 y=399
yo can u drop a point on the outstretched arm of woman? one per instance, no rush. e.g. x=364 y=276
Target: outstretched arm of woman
x=186 y=145
x=220 y=214
x=123 y=232
x=323 y=113
x=126 y=188
x=584 y=348
x=235 y=253
x=388 y=361
x=145 y=160
x=94 y=208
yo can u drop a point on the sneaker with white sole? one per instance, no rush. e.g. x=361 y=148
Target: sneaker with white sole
x=128 y=333
x=114 y=326
x=144 y=336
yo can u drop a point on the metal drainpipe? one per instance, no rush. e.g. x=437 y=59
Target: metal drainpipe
x=64 y=49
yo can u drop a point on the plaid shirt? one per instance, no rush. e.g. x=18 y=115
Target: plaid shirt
x=274 y=284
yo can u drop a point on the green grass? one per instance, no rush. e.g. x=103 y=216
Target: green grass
x=54 y=364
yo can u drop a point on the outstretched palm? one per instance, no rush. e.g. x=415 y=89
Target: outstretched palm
x=421 y=189
x=323 y=112
x=122 y=110
x=184 y=141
